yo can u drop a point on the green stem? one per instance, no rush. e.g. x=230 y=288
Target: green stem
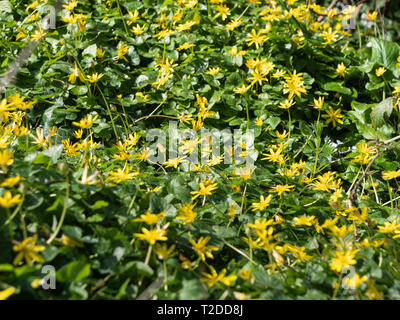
x=109 y=110
x=122 y=17
x=146 y=261
x=63 y=214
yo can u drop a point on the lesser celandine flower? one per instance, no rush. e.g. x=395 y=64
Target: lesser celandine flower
x=202 y=249
x=380 y=71
x=7 y=200
x=87 y=122
x=371 y=15
x=27 y=250
x=5 y=294
x=341 y=70
x=150 y=218
x=280 y=189
x=318 y=103
x=95 y=77
x=264 y=202
x=333 y=116
x=153 y=235
x=204 y=190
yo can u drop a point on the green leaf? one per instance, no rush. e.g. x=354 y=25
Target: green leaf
x=137 y=268
x=384 y=52
x=74 y=271
x=90 y=51
x=99 y=204
x=336 y=87
x=273 y=122
x=191 y=290
x=234 y=80
x=377 y=115
x=5 y=6
x=79 y=90
x=6 y=268
x=54 y=152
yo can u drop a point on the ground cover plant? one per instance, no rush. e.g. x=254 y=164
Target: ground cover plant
x=90 y=192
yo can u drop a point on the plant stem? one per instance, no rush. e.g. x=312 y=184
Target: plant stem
x=63 y=214
x=109 y=110
x=146 y=261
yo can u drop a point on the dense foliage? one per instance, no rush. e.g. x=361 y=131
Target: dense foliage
x=316 y=217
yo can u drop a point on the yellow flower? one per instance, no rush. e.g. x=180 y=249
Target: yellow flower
x=341 y=70
x=151 y=236
x=222 y=11
x=318 y=103
x=324 y=182
x=121 y=52
x=202 y=249
x=343 y=259
x=281 y=136
x=263 y=203
x=5 y=294
x=261 y=225
x=185 y=26
x=27 y=250
x=213 y=71
x=133 y=17
x=174 y=162
x=333 y=116
x=278 y=74
x=329 y=36
x=163 y=33
x=67 y=241
x=241 y=90
x=87 y=122
x=398 y=61
x=256 y=38
x=380 y=71
x=371 y=16
x=204 y=190
x=341 y=232
x=281 y=188
x=233 y=24
x=389 y=227
x=356 y=281
x=294 y=85
x=186 y=213
x=11 y=182
x=150 y=218
x=244 y=172
x=138 y=30
x=95 y=77
x=163 y=252
x=259 y=122
x=6 y=158
x=213 y=278
x=71 y=5
x=304 y=221
x=185 y=46
x=275 y=154
x=78 y=133
x=8 y=200
x=122 y=174
x=256 y=76
x=366 y=153
x=388 y=175
x=38 y=34
x=286 y=104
